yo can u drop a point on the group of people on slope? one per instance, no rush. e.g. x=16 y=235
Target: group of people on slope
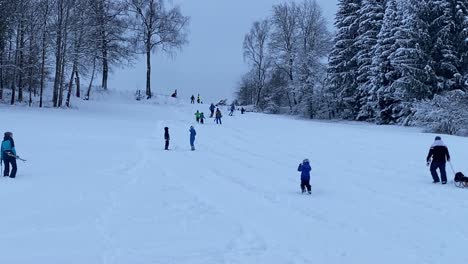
x=200 y=117
x=167 y=138
x=436 y=159
x=192 y=99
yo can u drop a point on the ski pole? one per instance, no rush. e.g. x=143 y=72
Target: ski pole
x=451 y=166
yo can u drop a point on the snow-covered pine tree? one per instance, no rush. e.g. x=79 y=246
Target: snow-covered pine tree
x=410 y=62
x=461 y=20
x=371 y=17
x=448 y=35
x=343 y=65
x=382 y=71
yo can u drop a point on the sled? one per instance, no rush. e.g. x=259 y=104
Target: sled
x=461 y=181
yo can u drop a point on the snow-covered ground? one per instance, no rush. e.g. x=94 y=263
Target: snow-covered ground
x=99 y=188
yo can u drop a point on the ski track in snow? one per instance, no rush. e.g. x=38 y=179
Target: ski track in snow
x=233 y=200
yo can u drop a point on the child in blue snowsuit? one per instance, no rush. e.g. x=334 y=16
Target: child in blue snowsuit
x=193 y=133
x=8 y=155
x=305 y=169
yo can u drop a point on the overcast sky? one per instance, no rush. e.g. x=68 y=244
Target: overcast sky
x=212 y=63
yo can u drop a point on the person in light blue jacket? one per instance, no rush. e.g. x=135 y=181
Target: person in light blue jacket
x=305 y=169
x=193 y=133
x=8 y=155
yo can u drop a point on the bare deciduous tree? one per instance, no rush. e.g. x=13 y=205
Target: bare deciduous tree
x=255 y=51
x=156 y=27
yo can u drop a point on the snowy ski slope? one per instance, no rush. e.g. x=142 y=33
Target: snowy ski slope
x=99 y=188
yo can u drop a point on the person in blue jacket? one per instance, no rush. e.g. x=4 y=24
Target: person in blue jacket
x=8 y=155
x=193 y=133
x=305 y=169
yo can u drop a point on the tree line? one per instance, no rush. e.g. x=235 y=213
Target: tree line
x=58 y=43
x=391 y=62
x=287 y=54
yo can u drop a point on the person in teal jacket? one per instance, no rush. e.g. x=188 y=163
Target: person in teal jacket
x=8 y=155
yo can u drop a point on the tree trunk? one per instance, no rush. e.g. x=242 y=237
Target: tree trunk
x=91 y=80
x=58 y=54
x=31 y=68
x=13 y=82
x=43 y=56
x=77 y=81
x=70 y=85
x=105 y=68
x=64 y=54
x=2 y=51
x=21 y=60
x=148 y=72
x=104 y=47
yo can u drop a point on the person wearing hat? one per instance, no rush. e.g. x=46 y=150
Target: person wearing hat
x=437 y=158
x=8 y=155
x=193 y=133
x=305 y=169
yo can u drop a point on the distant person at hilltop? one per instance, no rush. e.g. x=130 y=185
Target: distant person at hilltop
x=174 y=95
x=192 y=99
x=437 y=158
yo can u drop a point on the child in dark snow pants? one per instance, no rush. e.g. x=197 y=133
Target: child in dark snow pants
x=305 y=169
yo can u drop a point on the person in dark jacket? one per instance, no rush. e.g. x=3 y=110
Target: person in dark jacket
x=8 y=155
x=437 y=158
x=193 y=133
x=212 y=109
x=202 y=118
x=232 y=109
x=242 y=110
x=166 y=138
x=218 y=116
x=192 y=99
x=305 y=169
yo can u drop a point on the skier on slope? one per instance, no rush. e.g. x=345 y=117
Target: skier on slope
x=192 y=99
x=437 y=158
x=166 y=138
x=8 y=155
x=305 y=169
x=198 y=99
x=193 y=133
